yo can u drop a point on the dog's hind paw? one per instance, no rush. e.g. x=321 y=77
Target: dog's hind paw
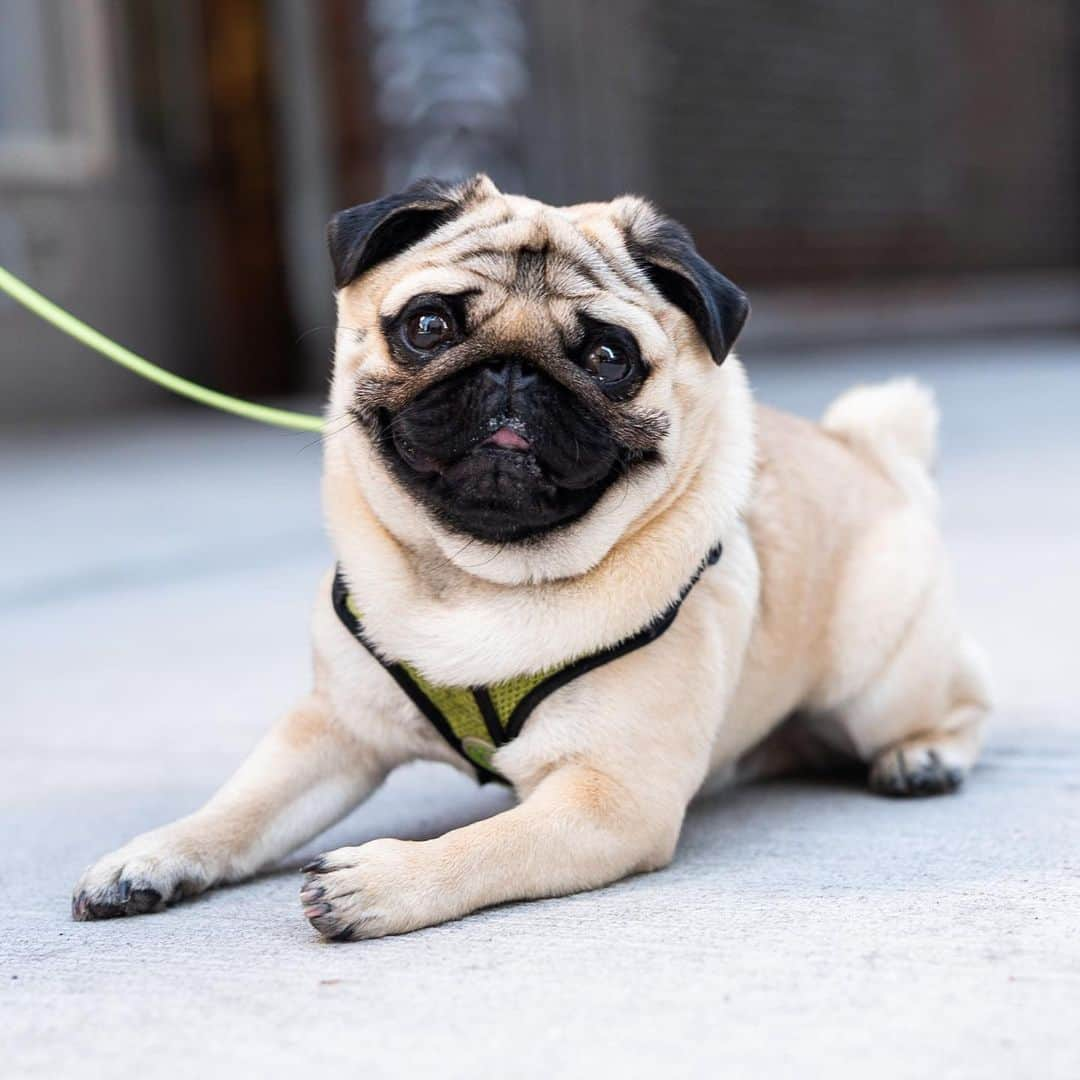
x=914 y=769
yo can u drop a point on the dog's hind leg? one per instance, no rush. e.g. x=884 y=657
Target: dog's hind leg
x=919 y=725
x=908 y=687
x=935 y=762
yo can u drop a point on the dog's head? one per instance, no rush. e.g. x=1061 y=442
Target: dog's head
x=512 y=366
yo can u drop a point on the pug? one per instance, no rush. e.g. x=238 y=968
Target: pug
x=574 y=557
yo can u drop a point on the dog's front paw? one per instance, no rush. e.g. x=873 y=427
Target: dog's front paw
x=369 y=891
x=146 y=875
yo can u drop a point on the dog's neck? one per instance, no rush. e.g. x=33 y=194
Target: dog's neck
x=459 y=626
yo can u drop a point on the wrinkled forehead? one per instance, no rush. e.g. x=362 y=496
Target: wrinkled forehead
x=521 y=259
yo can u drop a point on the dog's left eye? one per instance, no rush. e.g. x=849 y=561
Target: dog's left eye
x=608 y=362
x=429 y=328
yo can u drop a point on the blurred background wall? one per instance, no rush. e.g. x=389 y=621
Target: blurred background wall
x=866 y=169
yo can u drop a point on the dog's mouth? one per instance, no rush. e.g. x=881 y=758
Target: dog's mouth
x=501 y=484
x=506 y=438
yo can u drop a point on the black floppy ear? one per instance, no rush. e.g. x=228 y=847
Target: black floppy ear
x=365 y=235
x=718 y=308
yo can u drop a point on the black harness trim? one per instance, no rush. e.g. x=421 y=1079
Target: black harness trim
x=417 y=696
x=536 y=695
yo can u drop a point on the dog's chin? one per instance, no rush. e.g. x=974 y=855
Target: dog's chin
x=498 y=494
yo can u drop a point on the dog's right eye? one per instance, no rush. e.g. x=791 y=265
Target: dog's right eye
x=428 y=329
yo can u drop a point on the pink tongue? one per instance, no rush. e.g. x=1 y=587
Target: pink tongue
x=508 y=440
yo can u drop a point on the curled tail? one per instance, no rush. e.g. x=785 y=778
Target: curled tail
x=895 y=425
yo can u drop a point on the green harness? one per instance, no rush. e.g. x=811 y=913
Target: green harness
x=477 y=720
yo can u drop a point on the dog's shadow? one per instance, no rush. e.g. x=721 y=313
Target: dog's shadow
x=743 y=829
x=425 y=801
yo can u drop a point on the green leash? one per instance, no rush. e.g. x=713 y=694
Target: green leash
x=87 y=335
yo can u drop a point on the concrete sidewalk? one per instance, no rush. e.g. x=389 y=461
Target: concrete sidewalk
x=804 y=929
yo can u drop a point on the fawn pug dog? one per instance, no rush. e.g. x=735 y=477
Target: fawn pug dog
x=573 y=555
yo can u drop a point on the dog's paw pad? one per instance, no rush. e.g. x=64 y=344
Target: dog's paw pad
x=913 y=772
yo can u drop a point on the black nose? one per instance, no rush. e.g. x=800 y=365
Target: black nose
x=509 y=384
x=510 y=375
